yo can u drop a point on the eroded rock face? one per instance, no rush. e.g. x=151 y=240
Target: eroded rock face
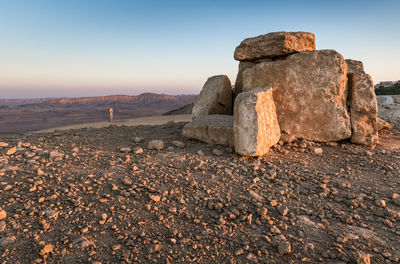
x=363 y=105
x=214 y=98
x=274 y=44
x=255 y=125
x=309 y=91
x=354 y=66
x=212 y=129
x=243 y=65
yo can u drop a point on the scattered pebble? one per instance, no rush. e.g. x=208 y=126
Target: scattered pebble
x=178 y=144
x=155 y=198
x=318 y=151
x=284 y=247
x=2 y=226
x=125 y=149
x=3 y=214
x=5 y=241
x=11 y=151
x=217 y=152
x=380 y=203
x=46 y=249
x=137 y=150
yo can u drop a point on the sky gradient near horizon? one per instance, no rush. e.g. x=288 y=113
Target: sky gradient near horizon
x=55 y=48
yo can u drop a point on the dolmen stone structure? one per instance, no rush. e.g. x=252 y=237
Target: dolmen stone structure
x=286 y=86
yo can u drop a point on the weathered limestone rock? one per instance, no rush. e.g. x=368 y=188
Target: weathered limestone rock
x=354 y=66
x=212 y=129
x=243 y=65
x=255 y=125
x=363 y=109
x=274 y=44
x=309 y=91
x=214 y=98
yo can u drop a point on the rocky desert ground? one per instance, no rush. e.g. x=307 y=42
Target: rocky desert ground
x=113 y=195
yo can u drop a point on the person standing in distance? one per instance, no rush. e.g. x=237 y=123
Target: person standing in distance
x=110 y=112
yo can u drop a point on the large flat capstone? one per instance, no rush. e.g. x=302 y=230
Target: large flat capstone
x=274 y=44
x=255 y=125
x=212 y=129
x=309 y=91
x=363 y=105
x=214 y=98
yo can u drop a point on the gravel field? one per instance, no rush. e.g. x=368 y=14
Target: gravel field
x=100 y=195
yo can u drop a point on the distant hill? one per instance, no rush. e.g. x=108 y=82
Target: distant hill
x=20 y=102
x=184 y=110
x=21 y=115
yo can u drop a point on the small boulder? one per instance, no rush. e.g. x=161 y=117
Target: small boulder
x=214 y=98
x=255 y=125
x=274 y=44
x=156 y=145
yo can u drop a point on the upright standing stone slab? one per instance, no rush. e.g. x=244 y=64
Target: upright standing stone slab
x=255 y=125
x=310 y=93
x=243 y=65
x=274 y=44
x=354 y=66
x=214 y=98
x=363 y=105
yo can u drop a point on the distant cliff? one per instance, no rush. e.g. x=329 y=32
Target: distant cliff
x=111 y=100
x=20 y=115
x=116 y=100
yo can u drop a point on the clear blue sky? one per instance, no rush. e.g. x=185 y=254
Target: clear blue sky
x=99 y=47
